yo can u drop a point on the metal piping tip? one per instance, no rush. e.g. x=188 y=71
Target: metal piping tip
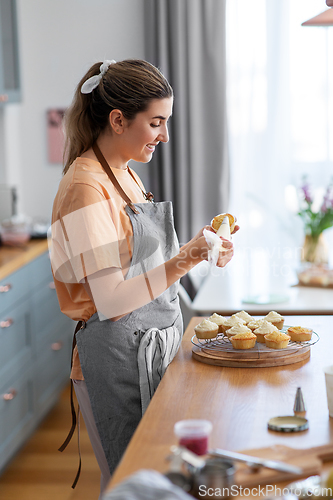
x=299 y=405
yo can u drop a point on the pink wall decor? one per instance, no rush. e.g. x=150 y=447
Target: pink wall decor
x=55 y=135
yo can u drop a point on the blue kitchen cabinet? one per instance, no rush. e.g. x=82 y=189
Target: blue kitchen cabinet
x=35 y=348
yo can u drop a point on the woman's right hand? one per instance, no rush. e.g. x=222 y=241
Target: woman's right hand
x=198 y=249
x=226 y=255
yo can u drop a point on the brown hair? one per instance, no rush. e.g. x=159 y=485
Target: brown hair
x=127 y=85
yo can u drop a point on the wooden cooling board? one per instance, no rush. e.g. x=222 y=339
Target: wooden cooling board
x=251 y=357
x=309 y=459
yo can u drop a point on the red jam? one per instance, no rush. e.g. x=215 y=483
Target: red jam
x=198 y=445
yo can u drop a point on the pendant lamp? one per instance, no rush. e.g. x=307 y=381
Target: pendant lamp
x=323 y=19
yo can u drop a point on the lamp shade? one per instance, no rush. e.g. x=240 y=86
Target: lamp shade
x=323 y=19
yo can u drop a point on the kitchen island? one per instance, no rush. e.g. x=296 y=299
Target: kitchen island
x=238 y=401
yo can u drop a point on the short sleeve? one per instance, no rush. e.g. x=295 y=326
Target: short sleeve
x=83 y=237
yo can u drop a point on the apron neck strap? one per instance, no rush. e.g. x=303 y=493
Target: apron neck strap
x=112 y=177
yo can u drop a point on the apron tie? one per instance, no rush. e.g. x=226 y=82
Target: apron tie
x=99 y=155
x=75 y=419
x=112 y=177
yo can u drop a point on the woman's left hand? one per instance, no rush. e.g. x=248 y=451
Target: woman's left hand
x=200 y=233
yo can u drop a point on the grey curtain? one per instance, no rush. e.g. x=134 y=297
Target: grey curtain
x=186 y=40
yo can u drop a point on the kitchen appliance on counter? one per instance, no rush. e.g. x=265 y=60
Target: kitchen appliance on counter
x=15 y=231
x=8 y=199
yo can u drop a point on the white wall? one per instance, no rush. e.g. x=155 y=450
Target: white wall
x=58 y=42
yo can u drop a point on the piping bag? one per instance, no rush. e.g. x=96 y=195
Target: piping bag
x=214 y=242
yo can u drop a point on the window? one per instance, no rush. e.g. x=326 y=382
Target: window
x=280 y=114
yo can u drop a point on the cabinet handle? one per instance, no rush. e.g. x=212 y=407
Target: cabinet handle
x=6 y=323
x=56 y=346
x=9 y=395
x=5 y=288
x=52 y=285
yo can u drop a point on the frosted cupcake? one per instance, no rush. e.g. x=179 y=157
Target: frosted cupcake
x=264 y=329
x=229 y=323
x=235 y=330
x=219 y=320
x=244 y=316
x=275 y=318
x=243 y=340
x=206 y=330
x=299 y=334
x=255 y=323
x=277 y=340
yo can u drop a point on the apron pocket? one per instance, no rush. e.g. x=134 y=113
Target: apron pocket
x=156 y=351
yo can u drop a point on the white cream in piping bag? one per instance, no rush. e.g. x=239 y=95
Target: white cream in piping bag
x=224 y=229
x=214 y=242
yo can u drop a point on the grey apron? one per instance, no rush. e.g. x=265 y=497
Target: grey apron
x=123 y=361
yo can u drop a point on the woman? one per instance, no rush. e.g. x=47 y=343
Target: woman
x=115 y=255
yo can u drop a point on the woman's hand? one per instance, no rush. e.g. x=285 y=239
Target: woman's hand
x=200 y=233
x=198 y=249
x=226 y=254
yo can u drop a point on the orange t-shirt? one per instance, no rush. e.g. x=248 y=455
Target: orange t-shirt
x=90 y=231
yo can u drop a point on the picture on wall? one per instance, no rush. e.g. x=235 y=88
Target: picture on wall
x=55 y=135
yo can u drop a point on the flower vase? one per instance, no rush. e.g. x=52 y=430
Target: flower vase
x=315 y=249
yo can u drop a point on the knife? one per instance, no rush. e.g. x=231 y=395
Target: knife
x=260 y=462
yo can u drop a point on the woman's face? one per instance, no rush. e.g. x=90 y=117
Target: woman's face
x=148 y=128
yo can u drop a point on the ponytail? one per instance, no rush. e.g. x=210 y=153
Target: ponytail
x=81 y=130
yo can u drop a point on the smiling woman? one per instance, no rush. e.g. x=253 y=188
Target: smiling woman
x=115 y=254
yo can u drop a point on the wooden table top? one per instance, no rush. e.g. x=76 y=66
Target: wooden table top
x=13 y=258
x=238 y=401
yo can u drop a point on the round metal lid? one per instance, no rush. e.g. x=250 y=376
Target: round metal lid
x=289 y=423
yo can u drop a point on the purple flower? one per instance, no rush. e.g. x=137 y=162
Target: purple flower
x=327 y=199
x=306 y=192
x=316 y=220
x=324 y=206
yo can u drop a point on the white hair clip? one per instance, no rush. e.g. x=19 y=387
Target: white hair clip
x=92 y=82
